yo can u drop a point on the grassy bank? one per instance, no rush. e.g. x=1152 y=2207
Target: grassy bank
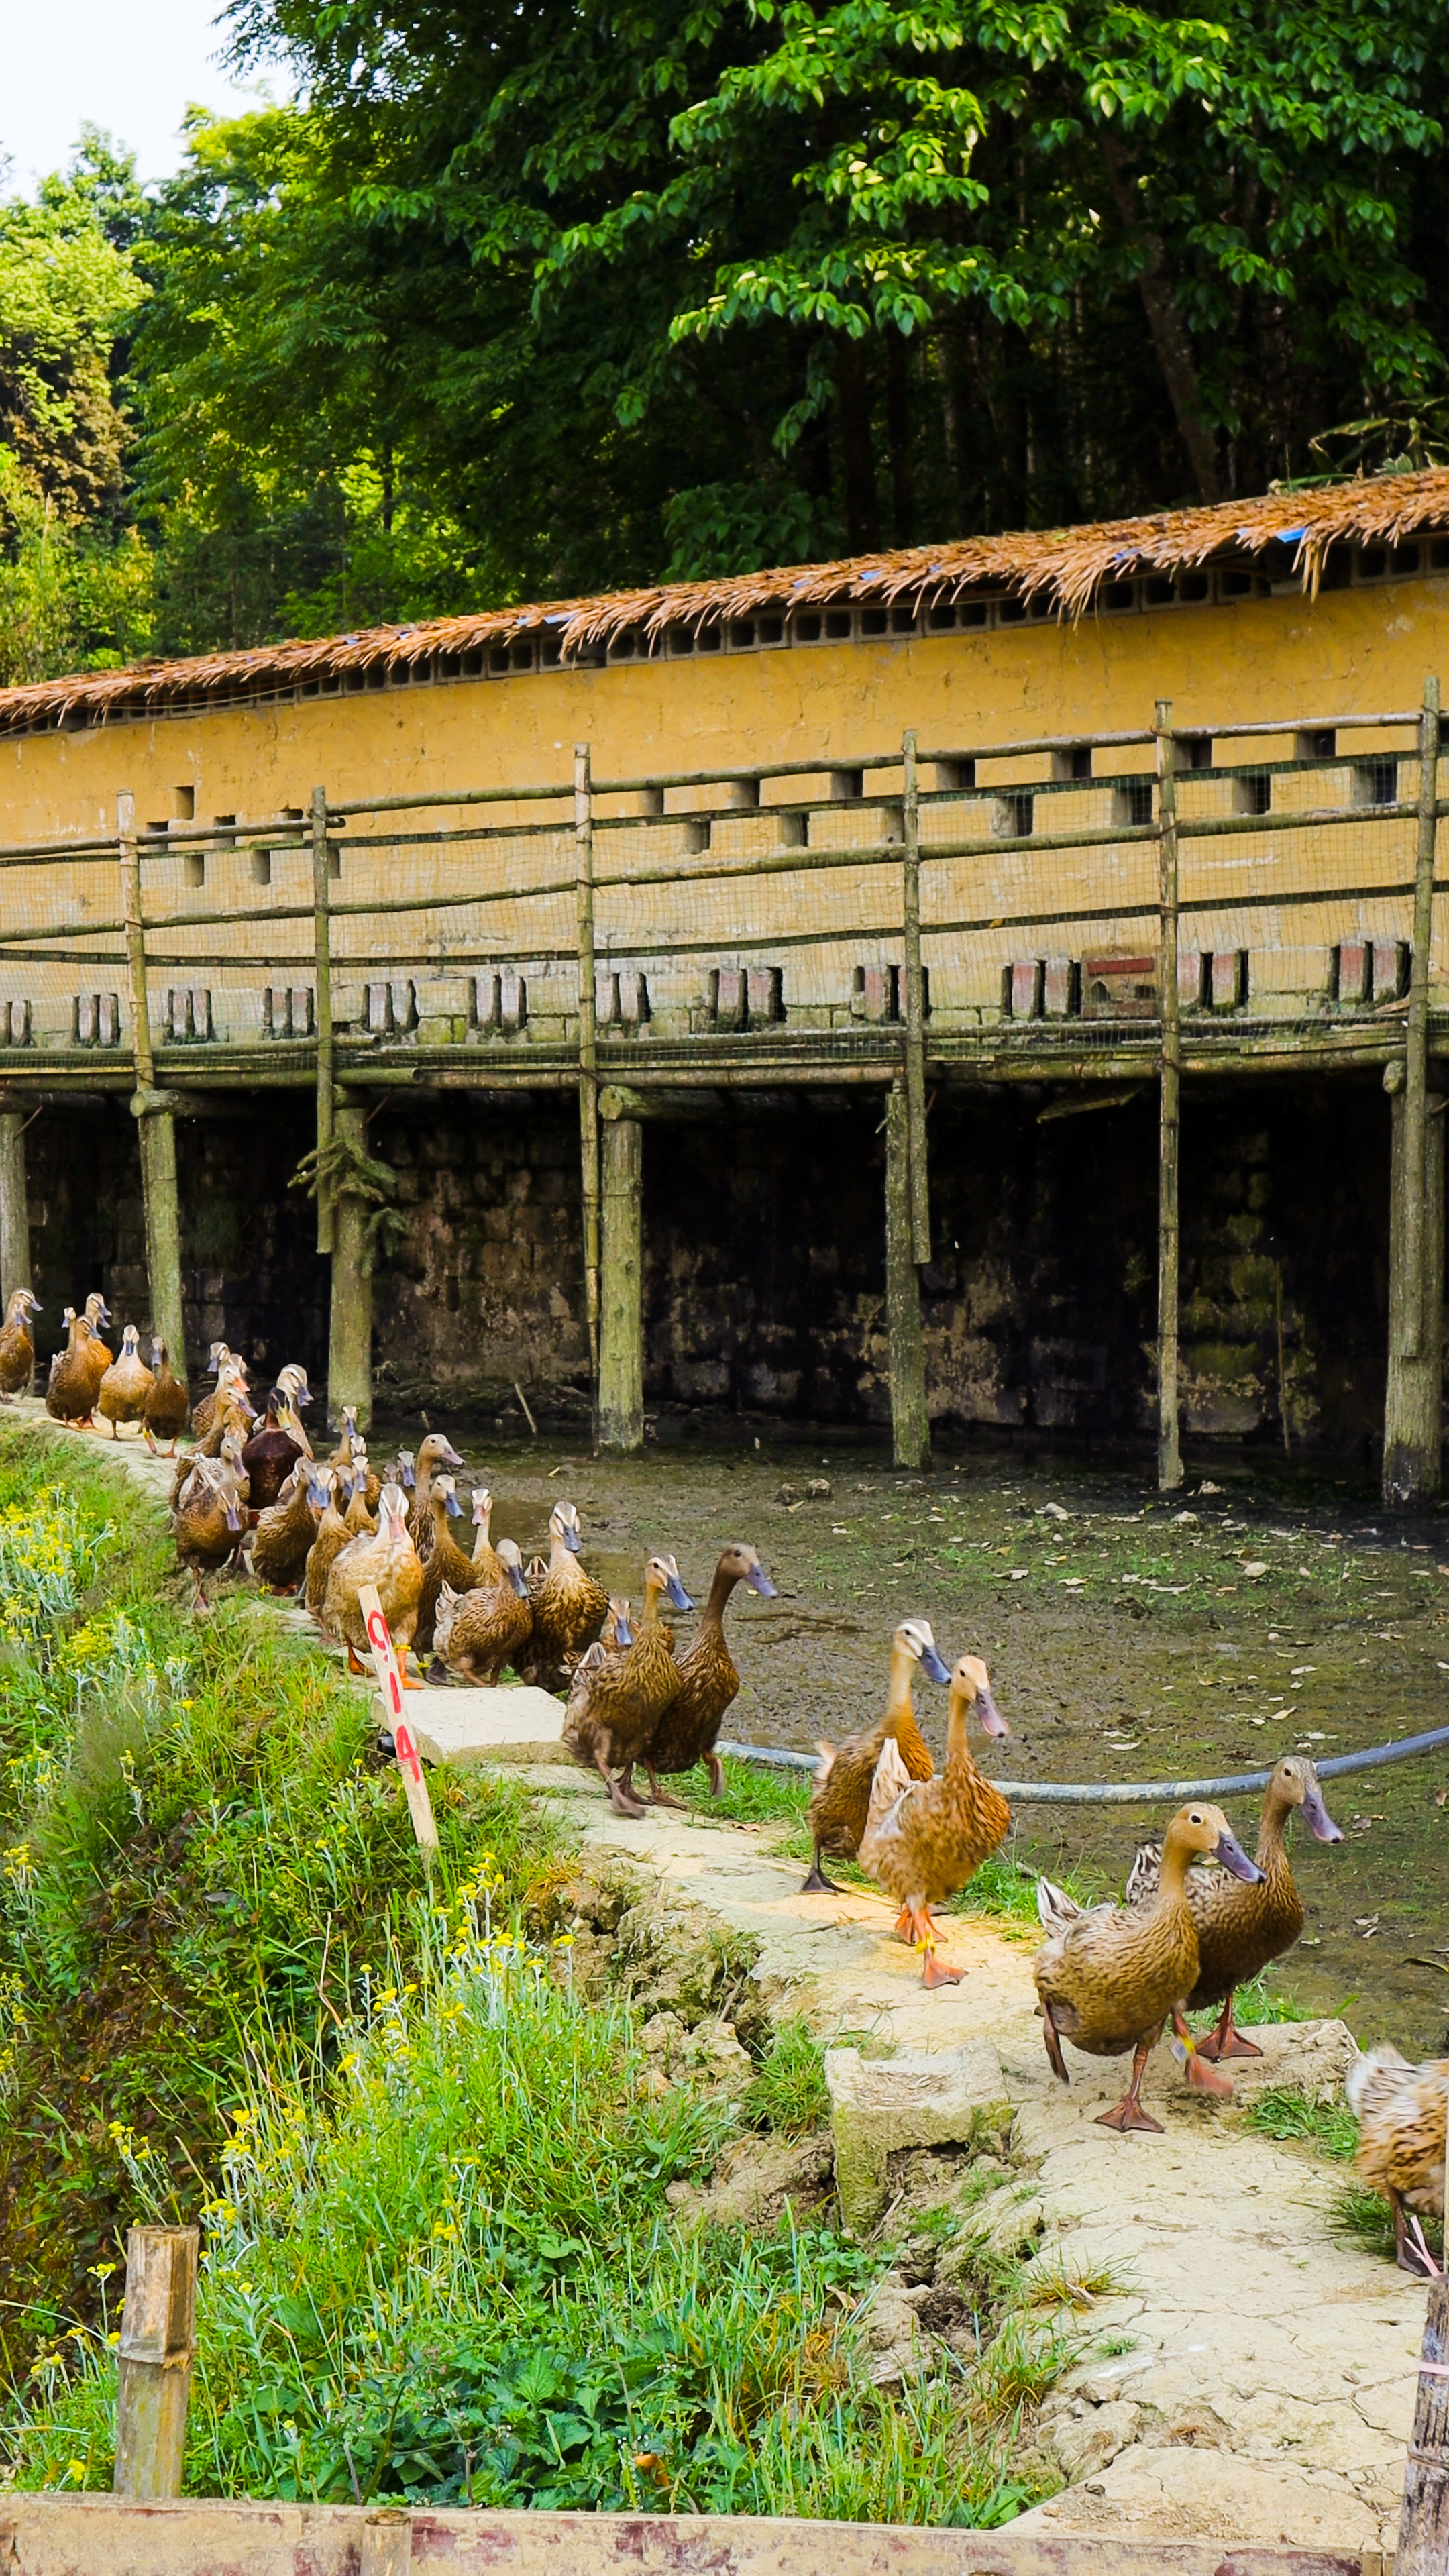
x=441 y=2258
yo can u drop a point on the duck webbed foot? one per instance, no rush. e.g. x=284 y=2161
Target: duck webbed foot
x=659 y=1797
x=1225 y=2041
x=817 y=1884
x=1410 y=2251
x=1052 y=2037
x=354 y=1665
x=621 y=1790
x=715 y=1768
x=1129 y=2114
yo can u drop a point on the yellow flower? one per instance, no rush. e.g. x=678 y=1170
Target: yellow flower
x=76 y=2469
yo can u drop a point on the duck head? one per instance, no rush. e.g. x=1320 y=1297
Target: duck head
x=512 y=1563
x=438 y=1451
x=217 y=1356
x=393 y=1509
x=1203 y=1829
x=563 y=1523
x=662 y=1574
x=445 y=1492
x=971 y=1688
x=1295 y=1781
x=741 y=1564
x=158 y=1351
x=131 y=1343
x=482 y=1508
x=320 y=1484
x=293 y=1382
x=913 y=1637
x=618 y=1624
x=21 y=1305
x=405 y=1472
x=97 y=1311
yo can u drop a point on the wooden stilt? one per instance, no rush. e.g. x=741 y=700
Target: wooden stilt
x=158 y=2333
x=14 y=1206
x=1169 y=1451
x=1424 y=2521
x=349 y=1351
x=322 y=944
x=910 y=1426
x=158 y=1125
x=621 y=1303
x=1413 y=1388
x=915 y=1002
x=588 y=1051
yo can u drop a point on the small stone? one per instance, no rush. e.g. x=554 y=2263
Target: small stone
x=819 y=1490
x=789 y=1494
x=1255 y=1569
x=1054 y=1512
x=1187 y=1520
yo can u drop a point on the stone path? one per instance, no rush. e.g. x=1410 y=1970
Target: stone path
x=1266 y=2393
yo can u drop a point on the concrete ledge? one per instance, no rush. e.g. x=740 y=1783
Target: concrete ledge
x=880 y=2104
x=465 y=1728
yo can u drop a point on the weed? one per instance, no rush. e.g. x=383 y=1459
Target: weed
x=788 y=2093
x=1258 y=2002
x=1363 y=2217
x=1284 y=2111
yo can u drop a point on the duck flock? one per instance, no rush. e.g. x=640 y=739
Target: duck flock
x=1199 y=1918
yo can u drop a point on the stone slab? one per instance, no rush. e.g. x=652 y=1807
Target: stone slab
x=878 y=2106
x=465 y=1728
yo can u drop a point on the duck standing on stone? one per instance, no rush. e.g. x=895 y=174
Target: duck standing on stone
x=126 y=1385
x=924 y=1839
x=17 y=1345
x=840 y=1800
x=1108 y=1976
x=165 y=1414
x=75 y=1380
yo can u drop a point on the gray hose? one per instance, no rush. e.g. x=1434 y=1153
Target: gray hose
x=1130 y=1793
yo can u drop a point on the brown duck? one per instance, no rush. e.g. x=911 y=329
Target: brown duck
x=388 y=1561
x=629 y=1693
x=231 y=1419
x=840 y=1800
x=287 y=1529
x=229 y=1371
x=569 y=1607
x=210 y=1522
x=1239 y=1929
x=332 y=1537
x=708 y=1680
x=76 y=1381
x=17 y=1345
x=165 y=1414
x=445 y=1561
x=272 y=1451
x=475 y=1633
x=436 y=1453
x=1109 y=1977
x=617 y=1636
x=126 y=1386
x=925 y=1838
x=1400 y=2112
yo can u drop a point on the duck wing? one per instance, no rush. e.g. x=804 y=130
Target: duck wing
x=887 y=1788
x=1055 y=1907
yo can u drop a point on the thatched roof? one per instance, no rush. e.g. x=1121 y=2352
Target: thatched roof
x=1067 y=565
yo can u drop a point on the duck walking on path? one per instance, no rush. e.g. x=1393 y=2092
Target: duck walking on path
x=924 y=1839
x=1240 y=1928
x=708 y=1682
x=569 y=1607
x=17 y=1344
x=165 y=1414
x=1400 y=2111
x=629 y=1693
x=125 y=1389
x=840 y=1800
x=1109 y=1976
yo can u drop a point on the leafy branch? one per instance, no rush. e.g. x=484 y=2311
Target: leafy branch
x=340 y=1170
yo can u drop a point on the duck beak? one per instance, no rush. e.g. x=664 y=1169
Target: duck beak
x=233 y=1517
x=516 y=1578
x=455 y=1508
x=450 y=1456
x=1231 y=1854
x=759 y=1581
x=932 y=1666
x=1318 y=1820
x=992 y=1721
x=676 y=1596
x=623 y=1633
x=571 y=1540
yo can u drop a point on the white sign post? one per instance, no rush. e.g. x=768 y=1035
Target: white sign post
x=390 y=1683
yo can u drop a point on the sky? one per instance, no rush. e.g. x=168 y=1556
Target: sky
x=132 y=66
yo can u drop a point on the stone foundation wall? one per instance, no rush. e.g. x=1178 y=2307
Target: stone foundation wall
x=764 y=1275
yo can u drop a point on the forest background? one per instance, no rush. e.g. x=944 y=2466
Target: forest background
x=528 y=300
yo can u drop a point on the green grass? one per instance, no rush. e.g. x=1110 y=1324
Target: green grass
x=753 y=1794
x=1258 y=2001
x=788 y=2093
x=1284 y=2112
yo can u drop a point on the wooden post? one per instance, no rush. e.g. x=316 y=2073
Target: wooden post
x=158 y=2334
x=14 y=1206
x=621 y=1333
x=910 y=1426
x=588 y=1049
x=1169 y=1451
x=1412 y=1471
x=915 y=1002
x=1416 y=1044
x=349 y=1347
x=1424 y=2521
x=157 y=1124
x=321 y=909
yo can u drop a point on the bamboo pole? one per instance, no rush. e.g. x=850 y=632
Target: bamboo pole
x=14 y=1207
x=910 y=1423
x=621 y=1333
x=1416 y=1038
x=588 y=1051
x=1424 y=2520
x=158 y=2334
x=915 y=1000
x=1169 y=1452
x=349 y=1340
x=326 y=1068
x=157 y=1126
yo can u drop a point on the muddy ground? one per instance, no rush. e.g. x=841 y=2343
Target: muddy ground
x=1125 y=1642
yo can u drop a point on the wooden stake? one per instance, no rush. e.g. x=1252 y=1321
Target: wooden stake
x=915 y=1001
x=1169 y=1452
x=157 y=1126
x=349 y=1349
x=1416 y=1050
x=588 y=1050
x=321 y=902
x=910 y=1424
x=1424 y=2521
x=389 y=1683
x=158 y=2335
x=621 y=1337
x=1413 y=1389
x=14 y=1207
